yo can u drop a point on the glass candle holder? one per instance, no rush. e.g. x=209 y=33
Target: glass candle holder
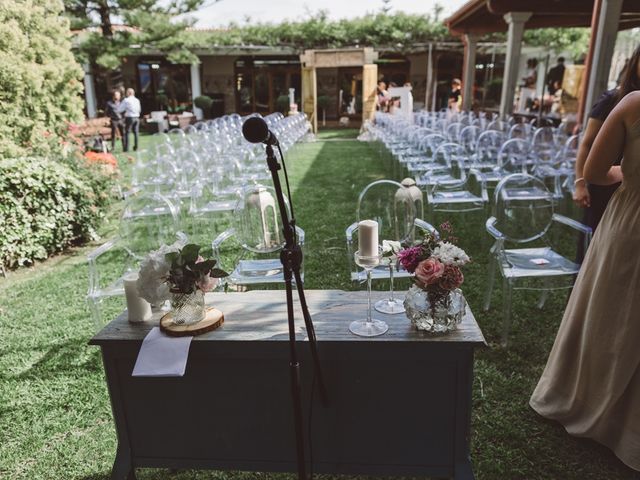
x=369 y=327
x=390 y=305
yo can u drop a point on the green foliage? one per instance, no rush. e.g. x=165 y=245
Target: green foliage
x=399 y=31
x=44 y=208
x=323 y=102
x=189 y=269
x=40 y=82
x=203 y=102
x=573 y=40
x=152 y=26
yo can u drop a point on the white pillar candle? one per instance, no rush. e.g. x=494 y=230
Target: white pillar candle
x=138 y=309
x=368 y=238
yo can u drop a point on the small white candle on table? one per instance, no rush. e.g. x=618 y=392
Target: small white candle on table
x=138 y=309
x=368 y=238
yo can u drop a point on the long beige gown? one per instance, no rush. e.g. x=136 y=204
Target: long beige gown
x=591 y=383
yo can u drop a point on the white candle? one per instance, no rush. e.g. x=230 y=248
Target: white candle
x=368 y=238
x=138 y=308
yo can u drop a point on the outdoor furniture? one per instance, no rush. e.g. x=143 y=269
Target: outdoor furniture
x=399 y=404
x=525 y=251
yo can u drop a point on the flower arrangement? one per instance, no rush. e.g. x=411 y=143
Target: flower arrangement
x=177 y=269
x=436 y=263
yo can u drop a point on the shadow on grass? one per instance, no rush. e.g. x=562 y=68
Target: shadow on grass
x=62 y=357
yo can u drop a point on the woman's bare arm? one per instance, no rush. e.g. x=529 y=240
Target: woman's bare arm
x=609 y=144
x=581 y=195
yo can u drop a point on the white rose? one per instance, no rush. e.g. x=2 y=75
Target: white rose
x=390 y=247
x=152 y=281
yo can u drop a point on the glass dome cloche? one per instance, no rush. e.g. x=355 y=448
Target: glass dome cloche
x=258 y=222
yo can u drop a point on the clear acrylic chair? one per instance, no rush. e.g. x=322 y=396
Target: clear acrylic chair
x=250 y=249
x=385 y=202
x=526 y=251
x=148 y=221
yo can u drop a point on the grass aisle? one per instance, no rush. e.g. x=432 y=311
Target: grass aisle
x=55 y=417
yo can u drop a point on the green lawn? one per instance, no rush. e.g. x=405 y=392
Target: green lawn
x=55 y=417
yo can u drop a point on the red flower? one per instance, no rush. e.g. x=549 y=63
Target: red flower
x=451 y=278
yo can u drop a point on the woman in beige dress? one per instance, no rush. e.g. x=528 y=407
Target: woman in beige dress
x=591 y=383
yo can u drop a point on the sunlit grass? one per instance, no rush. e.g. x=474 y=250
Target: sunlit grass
x=55 y=416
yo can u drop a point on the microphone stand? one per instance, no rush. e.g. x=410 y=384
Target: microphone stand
x=291 y=258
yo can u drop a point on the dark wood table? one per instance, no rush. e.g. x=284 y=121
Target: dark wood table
x=400 y=404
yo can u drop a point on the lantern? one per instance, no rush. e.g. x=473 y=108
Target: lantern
x=410 y=193
x=257 y=220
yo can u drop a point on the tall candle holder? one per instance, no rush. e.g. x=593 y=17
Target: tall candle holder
x=390 y=305
x=369 y=327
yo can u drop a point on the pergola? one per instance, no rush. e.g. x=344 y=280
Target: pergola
x=343 y=57
x=606 y=17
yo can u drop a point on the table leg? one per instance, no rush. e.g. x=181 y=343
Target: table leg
x=464 y=471
x=123 y=467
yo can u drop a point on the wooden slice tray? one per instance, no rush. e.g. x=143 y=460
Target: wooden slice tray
x=212 y=320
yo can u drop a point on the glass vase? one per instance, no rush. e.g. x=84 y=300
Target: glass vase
x=435 y=313
x=187 y=308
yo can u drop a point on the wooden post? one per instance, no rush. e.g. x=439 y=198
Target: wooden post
x=369 y=85
x=469 y=70
x=309 y=96
x=427 y=92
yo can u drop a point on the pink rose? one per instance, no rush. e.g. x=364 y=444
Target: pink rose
x=429 y=271
x=207 y=283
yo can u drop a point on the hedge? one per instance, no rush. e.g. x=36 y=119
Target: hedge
x=45 y=206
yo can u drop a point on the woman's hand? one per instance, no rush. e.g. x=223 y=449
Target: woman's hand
x=581 y=195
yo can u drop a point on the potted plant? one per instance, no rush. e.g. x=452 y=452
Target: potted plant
x=204 y=103
x=182 y=275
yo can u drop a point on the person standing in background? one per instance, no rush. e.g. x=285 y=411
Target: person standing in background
x=382 y=97
x=131 y=109
x=455 y=96
x=555 y=74
x=595 y=198
x=112 y=111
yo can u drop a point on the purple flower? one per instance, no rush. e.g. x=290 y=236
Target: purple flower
x=410 y=258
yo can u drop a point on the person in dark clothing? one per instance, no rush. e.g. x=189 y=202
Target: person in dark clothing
x=595 y=198
x=555 y=74
x=117 y=122
x=455 y=96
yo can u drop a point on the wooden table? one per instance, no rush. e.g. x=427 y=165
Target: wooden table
x=400 y=403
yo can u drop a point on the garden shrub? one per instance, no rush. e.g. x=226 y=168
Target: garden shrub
x=45 y=206
x=40 y=80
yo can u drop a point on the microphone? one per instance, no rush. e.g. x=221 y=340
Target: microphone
x=256 y=130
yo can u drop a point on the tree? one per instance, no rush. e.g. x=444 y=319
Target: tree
x=40 y=81
x=149 y=26
x=573 y=40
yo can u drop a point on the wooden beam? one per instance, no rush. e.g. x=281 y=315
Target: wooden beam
x=500 y=7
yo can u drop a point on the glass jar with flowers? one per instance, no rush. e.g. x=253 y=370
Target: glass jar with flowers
x=182 y=275
x=435 y=302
